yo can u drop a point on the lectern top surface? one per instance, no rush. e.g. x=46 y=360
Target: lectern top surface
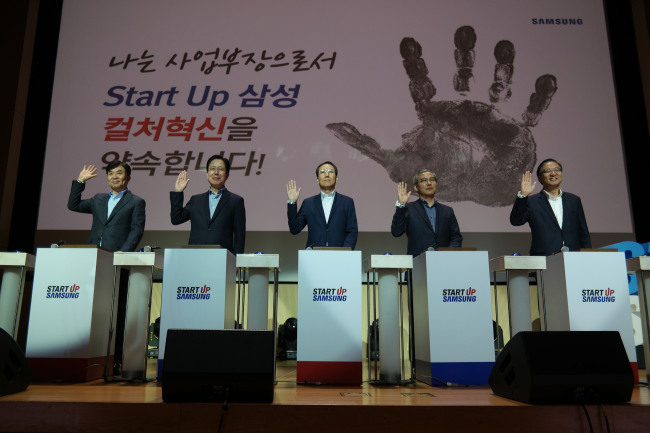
x=17 y=259
x=506 y=263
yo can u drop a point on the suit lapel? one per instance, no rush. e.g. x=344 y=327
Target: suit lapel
x=102 y=208
x=547 y=207
x=419 y=210
x=321 y=210
x=223 y=201
x=335 y=204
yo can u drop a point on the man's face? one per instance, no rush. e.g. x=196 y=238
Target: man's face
x=217 y=174
x=427 y=185
x=326 y=176
x=551 y=175
x=118 y=179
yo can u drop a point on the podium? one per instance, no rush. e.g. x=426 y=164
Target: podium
x=70 y=313
x=329 y=317
x=386 y=291
x=138 y=307
x=588 y=291
x=517 y=269
x=13 y=267
x=640 y=266
x=452 y=309
x=198 y=292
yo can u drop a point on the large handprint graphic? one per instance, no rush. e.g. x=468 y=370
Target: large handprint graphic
x=477 y=152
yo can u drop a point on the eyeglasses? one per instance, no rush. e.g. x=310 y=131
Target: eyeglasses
x=326 y=171
x=428 y=179
x=217 y=169
x=549 y=170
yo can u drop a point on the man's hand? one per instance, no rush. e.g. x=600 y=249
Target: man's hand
x=293 y=192
x=403 y=194
x=181 y=181
x=527 y=187
x=87 y=173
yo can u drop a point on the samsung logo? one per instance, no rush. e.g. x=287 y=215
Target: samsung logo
x=557 y=21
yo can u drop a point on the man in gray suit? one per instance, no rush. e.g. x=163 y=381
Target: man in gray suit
x=118 y=216
x=118 y=225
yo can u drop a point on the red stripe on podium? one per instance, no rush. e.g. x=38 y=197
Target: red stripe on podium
x=635 y=370
x=69 y=369
x=329 y=372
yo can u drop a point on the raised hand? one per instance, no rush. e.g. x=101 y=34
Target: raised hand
x=181 y=181
x=527 y=187
x=87 y=173
x=403 y=194
x=477 y=151
x=293 y=192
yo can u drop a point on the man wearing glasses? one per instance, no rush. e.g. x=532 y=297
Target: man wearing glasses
x=331 y=216
x=218 y=216
x=556 y=218
x=428 y=224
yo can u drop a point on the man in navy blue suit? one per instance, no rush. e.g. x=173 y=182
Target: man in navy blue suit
x=218 y=216
x=118 y=216
x=556 y=218
x=331 y=216
x=426 y=222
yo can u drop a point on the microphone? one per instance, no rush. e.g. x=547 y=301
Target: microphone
x=57 y=244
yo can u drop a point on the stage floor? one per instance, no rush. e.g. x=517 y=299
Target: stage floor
x=99 y=406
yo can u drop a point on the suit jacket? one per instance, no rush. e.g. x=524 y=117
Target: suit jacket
x=547 y=236
x=227 y=227
x=122 y=230
x=413 y=220
x=340 y=231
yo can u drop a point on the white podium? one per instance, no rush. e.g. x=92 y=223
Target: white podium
x=138 y=307
x=13 y=267
x=640 y=266
x=588 y=291
x=198 y=292
x=517 y=269
x=452 y=308
x=386 y=295
x=70 y=313
x=329 y=317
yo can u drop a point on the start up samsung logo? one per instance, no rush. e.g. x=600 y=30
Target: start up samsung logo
x=195 y=293
x=330 y=295
x=598 y=295
x=459 y=295
x=58 y=292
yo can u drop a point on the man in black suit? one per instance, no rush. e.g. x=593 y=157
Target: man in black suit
x=118 y=225
x=218 y=216
x=118 y=216
x=556 y=218
x=426 y=222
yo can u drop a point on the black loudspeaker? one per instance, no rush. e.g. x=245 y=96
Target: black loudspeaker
x=15 y=373
x=564 y=367
x=231 y=365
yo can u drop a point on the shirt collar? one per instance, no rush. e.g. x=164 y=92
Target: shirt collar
x=120 y=194
x=323 y=195
x=424 y=202
x=218 y=194
x=550 y=197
